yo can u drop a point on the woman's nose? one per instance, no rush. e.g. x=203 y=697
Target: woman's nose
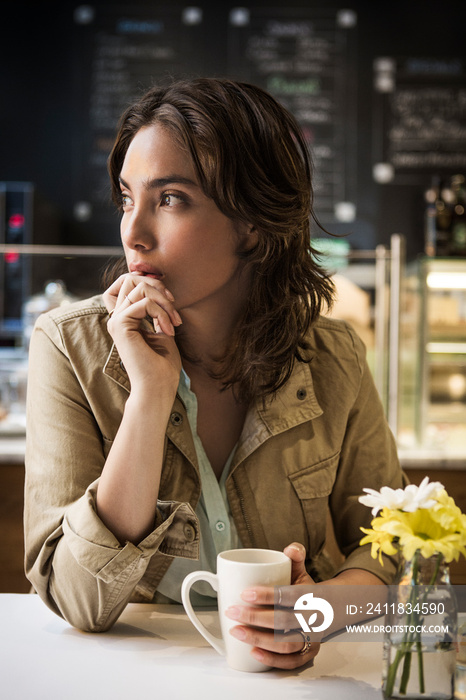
x=137 y=230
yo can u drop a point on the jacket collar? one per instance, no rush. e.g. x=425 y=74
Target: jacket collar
x=293 y=404
x=114 y=369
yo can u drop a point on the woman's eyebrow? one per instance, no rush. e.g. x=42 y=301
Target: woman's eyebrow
x=159 y=182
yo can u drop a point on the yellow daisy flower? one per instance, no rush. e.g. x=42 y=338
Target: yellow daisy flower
x=439 y=529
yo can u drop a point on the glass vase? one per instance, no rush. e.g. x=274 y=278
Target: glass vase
x=420 y=632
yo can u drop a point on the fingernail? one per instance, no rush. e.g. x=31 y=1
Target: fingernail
x=233 y=612
x=249 y=595
x=177 y=317
x=297 y=547
x=238 y=632
x=169 y=295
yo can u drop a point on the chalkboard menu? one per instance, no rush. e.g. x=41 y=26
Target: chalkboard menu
x=306 y=59
x=119 y=53
x=420 y=118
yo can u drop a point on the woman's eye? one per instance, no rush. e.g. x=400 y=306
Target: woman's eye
x=171 y=200
x=126 y=201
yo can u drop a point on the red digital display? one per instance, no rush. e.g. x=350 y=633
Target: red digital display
x=16 y=221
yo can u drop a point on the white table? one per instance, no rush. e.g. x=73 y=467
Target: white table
x=154 y=652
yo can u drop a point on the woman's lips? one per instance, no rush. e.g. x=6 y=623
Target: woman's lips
x=146 y=271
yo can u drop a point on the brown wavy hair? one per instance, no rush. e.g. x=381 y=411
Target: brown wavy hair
x=252 y=160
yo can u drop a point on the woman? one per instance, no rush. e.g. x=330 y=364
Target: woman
x=202 y=403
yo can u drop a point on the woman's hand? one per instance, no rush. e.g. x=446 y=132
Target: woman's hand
x=258 y=621
x=142 y=324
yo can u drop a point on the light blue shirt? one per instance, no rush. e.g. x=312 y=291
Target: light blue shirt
x=218 y=531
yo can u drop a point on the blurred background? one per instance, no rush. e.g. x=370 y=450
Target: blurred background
x=379 y=89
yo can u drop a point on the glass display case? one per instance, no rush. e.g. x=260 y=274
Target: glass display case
x=432 y=400
x=45 y=277
x=368 y=288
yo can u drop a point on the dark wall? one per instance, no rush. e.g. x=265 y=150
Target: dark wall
x=40 y=122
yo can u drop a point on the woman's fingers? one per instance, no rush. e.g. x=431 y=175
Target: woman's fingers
x=297 y=553
x=137 y=287
x=249 y=615
x=272 y=649
x=145 y=311
x=267 y=631
x=285 y=661
x=141 y=296
x=290 y=643
x=111 y=294
x=259 y=595
x=267 y=618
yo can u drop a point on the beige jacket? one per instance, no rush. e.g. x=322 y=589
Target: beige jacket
x=316 y=445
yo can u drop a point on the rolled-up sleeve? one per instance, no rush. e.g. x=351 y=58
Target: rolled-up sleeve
x=73 y=561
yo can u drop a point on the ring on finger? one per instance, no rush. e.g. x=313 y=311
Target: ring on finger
x=307 y=643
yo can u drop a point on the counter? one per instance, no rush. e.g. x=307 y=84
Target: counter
x=154 y=651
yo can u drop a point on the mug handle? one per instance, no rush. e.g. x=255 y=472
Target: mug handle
x=217 y=643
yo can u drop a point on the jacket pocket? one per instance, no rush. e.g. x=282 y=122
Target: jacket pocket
x=317 y=480
x=313 y=486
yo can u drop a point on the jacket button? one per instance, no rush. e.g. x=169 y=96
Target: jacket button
x=176 y=418
x=189 y=532
x=301 y=394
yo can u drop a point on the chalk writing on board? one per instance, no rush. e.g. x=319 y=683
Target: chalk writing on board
x=422 y=115
x=306 y=61
x=126 y=52
x=429 y=127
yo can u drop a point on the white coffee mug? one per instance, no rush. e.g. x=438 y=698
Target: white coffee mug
x=237 y=569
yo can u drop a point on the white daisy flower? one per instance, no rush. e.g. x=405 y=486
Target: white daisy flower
x=409 y=499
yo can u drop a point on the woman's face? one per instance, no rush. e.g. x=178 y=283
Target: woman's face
x=171 y=231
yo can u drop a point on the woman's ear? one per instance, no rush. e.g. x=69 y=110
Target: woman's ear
x=251 y=237
x=248 y=236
